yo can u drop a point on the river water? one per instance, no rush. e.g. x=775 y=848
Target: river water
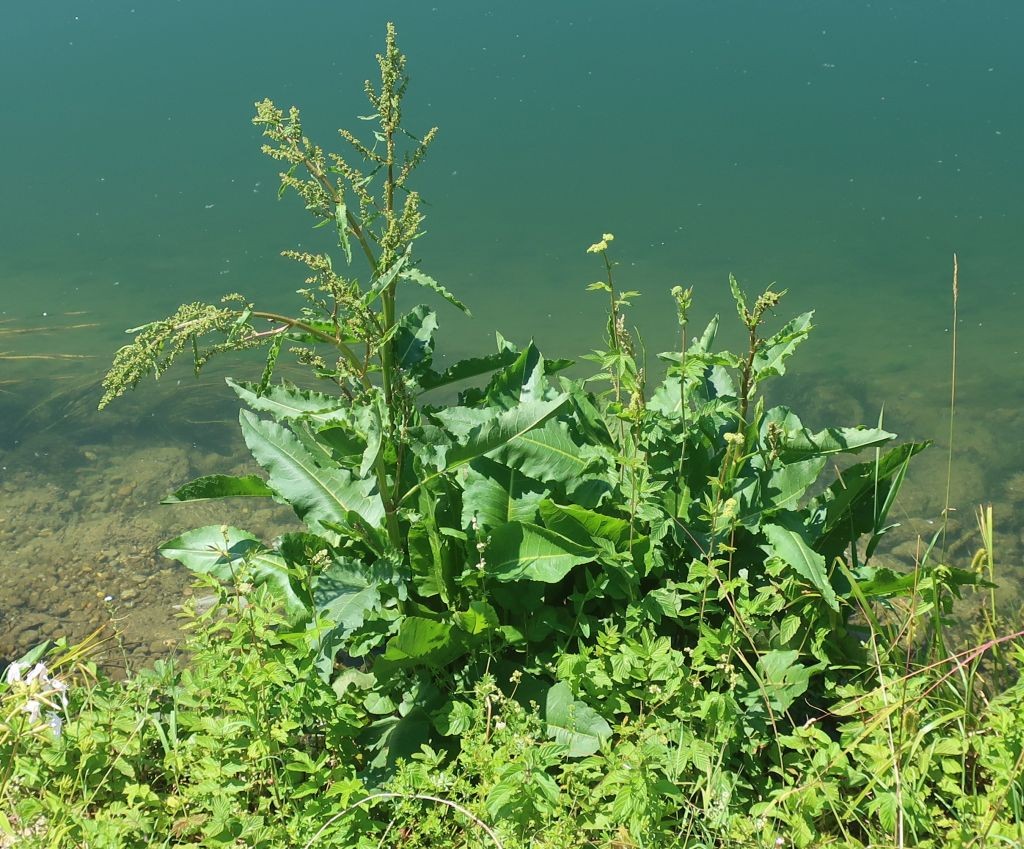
x=843 y=149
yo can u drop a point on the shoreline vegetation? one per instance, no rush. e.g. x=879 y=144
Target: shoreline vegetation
x=637 y=609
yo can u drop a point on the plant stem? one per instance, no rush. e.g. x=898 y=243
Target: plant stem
x=952 y=409
x=295 y=323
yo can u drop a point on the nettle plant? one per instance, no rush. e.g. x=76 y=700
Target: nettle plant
x=524 y=529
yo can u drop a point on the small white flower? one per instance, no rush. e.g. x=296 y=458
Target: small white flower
x=13 y=675
x=32 y=708
x=56 y=723
x=61 y=689
x=37 y=673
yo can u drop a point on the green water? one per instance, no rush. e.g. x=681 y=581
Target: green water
x=843 y=149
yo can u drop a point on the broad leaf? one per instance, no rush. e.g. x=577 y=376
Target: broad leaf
x=480 y=617
x=548 y=454
x=494 y=494
x=468 y=368
x=501 y=429
x=799 y=443
x=859 y=500
x=346 y=592
x=225 y=553
x=520 y=382
x=582 y=526
x=790 y=547
x=212 y=550
x=522 y=551
x=220 y=486
x=573 y=723
x=315 y=494
x=421 y=641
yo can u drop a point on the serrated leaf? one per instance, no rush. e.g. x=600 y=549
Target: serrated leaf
x=220 y=486
x=783 y=679
x=341 y=222
x=289 y=402
x=739 y=298
x=770 y=359
x=789 y=628
x=385 y=279
x=414 y=275
x=523 y=551
x=316 y=494
x=573 y=723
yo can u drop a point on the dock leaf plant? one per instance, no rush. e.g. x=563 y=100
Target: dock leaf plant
x=652 y=551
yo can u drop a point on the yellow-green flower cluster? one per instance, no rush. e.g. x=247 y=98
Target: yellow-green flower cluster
x=600 y=247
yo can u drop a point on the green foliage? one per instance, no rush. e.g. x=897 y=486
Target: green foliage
x=653 y=557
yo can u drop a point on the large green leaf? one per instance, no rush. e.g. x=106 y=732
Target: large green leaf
x=582 y=525
x=212 y=550
x=285 y=402
x=762 y=492
x=436 y=559
x=519 y=382
x=495 y=494
x=548 y=454
x=790 y=547
x=220 y=486
x=501 y=429
x=316 y=494
x=478 y=619
x=421 y=641
x=224 y=552
x=574 y=723
x=348 y=590
x=469 y=368
x=800 y=445
x=523 y=551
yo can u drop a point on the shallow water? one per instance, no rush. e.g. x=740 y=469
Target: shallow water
x=843 y=149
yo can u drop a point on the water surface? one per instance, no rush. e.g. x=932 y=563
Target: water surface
x=843 y=149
